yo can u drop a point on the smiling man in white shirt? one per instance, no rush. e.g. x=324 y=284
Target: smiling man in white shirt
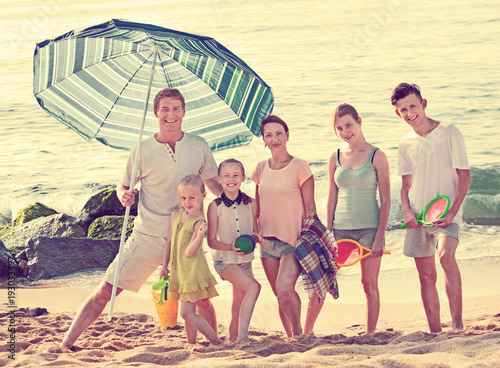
x=432 y=162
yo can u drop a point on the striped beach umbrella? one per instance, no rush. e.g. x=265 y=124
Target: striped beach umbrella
x=99 y=80
x=95 y=81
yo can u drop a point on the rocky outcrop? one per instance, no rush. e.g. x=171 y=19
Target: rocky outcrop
x=59 y=225
x=32 y=212
x=104 y=203
x=7 y=262
x=53 y=257
x=47 y=244
x=109 y=227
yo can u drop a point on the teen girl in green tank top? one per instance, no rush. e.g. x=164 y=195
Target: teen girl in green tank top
x=354 y=172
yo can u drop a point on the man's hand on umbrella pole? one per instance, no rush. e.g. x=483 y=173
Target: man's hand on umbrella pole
x=125 y=196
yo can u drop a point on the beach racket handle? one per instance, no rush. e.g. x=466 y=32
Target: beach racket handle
x=418 y=218
x=404 y=226
x=350 y=252
x=369 y=252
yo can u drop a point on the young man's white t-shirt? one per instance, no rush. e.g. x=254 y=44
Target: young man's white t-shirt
x=433 y=160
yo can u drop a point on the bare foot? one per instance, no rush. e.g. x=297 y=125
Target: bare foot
x=65 y=348
x=243 y=340
x=216 y=342
x=457 y=327
x=64 y=345
x=298 y=338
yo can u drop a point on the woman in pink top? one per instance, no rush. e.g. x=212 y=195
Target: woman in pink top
x=285 y=196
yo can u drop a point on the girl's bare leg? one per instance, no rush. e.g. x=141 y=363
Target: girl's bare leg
x=188 y=314
x=246 y=290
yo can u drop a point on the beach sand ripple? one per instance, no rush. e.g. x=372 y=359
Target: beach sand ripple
x=137 y=340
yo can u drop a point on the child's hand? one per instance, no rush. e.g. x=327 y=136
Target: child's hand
x=236 y=250
x=164 y=272
x=202 y=229
x=259 y=239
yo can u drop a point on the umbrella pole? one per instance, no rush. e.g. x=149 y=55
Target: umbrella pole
x=132 y=185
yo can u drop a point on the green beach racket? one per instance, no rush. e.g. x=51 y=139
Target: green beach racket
x=435 y=210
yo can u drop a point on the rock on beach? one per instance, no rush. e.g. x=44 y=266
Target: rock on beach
x=48 y=244
x=57 y=225
x=104 y=203
x=109 y=227
x=54 y=257
x=5 y=260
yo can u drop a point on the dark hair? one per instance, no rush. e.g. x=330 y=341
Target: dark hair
x=345 y=109
x=403 y=90
x=272 y=119
x=231 y=161
x=173 y=93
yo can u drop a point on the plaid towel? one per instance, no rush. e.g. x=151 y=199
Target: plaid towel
x=314 y=251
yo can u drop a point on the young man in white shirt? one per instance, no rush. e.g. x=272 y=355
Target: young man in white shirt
x=432 y=162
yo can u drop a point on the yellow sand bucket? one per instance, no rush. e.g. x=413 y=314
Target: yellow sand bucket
x=167 y=311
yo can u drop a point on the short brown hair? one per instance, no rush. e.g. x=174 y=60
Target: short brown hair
x=273 y=119
x=173 y=93
x=403 y=90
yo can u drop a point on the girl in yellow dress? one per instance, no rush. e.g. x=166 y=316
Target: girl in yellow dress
x=190 y=278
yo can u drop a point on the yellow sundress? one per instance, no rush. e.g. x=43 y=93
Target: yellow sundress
x=190 y=278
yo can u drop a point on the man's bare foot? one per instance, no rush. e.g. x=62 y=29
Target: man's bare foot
x=457 y=327
x=65 y=345
x=65 y=348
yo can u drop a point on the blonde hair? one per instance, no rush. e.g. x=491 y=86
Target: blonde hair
x=193 y=180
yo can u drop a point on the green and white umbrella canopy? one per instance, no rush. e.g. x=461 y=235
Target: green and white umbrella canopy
x=95 y=81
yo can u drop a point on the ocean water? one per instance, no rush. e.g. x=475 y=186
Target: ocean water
x=315 y=55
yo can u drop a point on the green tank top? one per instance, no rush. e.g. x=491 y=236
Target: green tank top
x=357 y=206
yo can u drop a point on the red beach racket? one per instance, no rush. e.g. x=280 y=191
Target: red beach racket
x=350 y=252
x=435 y=210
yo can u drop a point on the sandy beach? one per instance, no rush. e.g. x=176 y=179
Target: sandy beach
x=314 y=55
x=135 y=338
